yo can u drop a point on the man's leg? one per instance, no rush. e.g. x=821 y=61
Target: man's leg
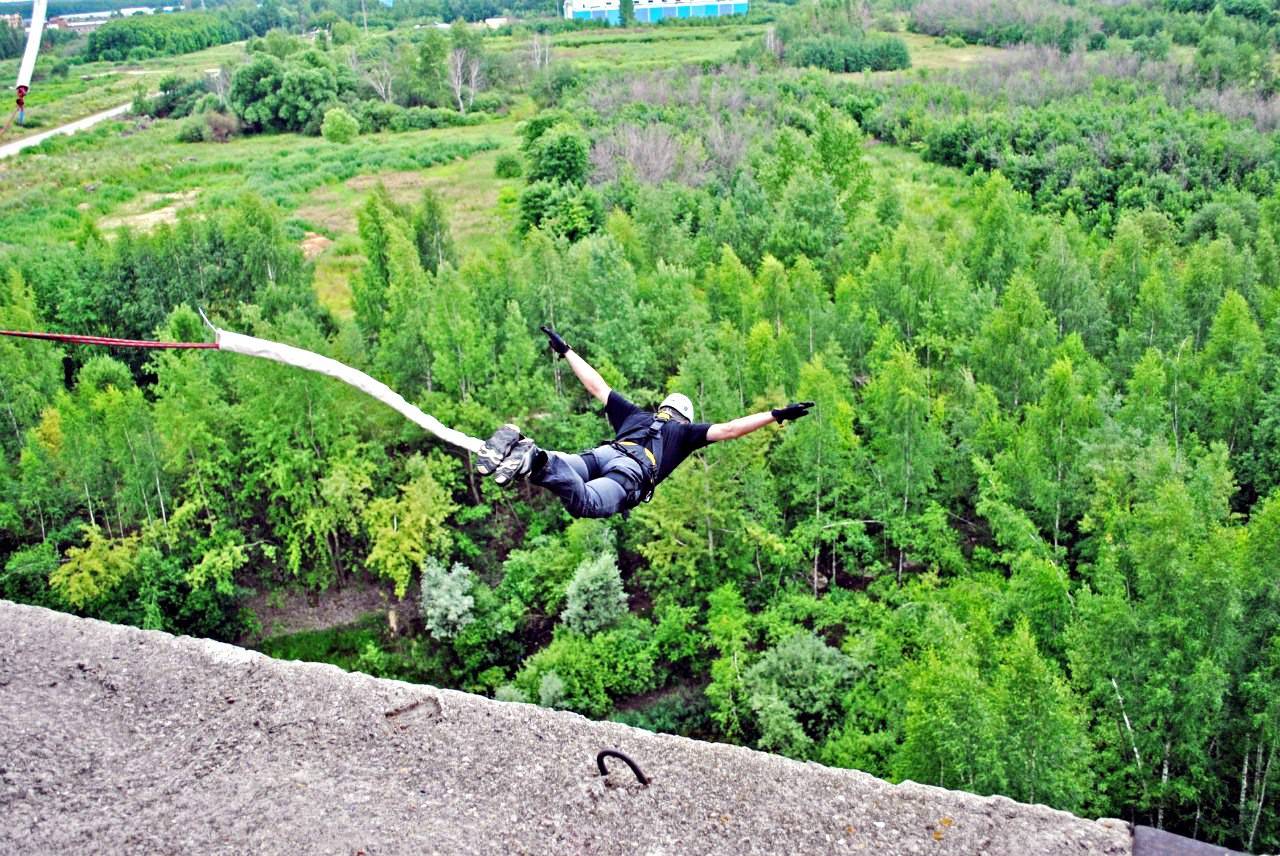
x=569 y=477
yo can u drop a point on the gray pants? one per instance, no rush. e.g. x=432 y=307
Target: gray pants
x=591 y=484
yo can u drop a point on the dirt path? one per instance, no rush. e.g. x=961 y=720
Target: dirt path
x=11 y=149
x=295 y=611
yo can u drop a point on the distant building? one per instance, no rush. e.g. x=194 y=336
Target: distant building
x=650 y=11
x=14 y=21
x=79 y=22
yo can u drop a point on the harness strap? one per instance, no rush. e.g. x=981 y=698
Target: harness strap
x=653 y=462
x=648 y=461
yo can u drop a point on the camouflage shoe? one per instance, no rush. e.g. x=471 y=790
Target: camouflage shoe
x=496 y=448
x=518 y=463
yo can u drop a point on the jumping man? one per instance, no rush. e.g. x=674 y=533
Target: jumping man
x=618 y=475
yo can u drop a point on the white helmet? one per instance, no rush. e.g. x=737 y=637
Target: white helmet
x=680 y=404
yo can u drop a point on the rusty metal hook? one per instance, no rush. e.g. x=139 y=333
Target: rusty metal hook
x=635 y=768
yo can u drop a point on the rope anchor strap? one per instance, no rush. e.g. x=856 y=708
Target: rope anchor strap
x=614 y=753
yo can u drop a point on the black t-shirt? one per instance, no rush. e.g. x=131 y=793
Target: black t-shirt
x=678 y=439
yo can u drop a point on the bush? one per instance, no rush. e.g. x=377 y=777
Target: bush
x=208 y=103
x=488 y=102
x=850 y=53
x=559 y=156
x=426 y=118
x=376 y=116
x=954 y=41
x=595 y=597
x=339 y=126
x=561 y=209
x=586 y=674
x=508 y=166
x=222 y=126
x=192 y=130
x=446 y=603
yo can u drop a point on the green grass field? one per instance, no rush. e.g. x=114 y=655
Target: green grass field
x=97 y=86
x=122 y=175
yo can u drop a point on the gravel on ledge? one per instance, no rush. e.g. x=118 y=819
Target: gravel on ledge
x=114 y=739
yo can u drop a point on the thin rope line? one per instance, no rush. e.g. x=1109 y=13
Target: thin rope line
x=9 y=123
x=116 y=343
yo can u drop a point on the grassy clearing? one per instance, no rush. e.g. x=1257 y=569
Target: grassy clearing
x=119 y=175
x=470 y=191
x=933 y=54
x=118 y=170
x=647 y=48
x=97 y=86
x=341 y=646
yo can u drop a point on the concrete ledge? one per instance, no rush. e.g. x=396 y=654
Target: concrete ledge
x=114 y=739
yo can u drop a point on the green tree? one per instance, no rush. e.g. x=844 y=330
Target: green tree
x=595 y=599
x=1045 y=460
x=445 y=602
x=1012 y=350
x=998 y=246
x=795 y=690
x=728 y=629
x=952 y=733
x=1166 y=580
x=903 y=422
x=559 y=156
x=29 y=371
x=1046 y=758
x=431 y=232
x=339 y=126
x=1229 y=375
x=404 y=530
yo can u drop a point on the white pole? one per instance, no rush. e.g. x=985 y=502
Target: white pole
x=33 y=44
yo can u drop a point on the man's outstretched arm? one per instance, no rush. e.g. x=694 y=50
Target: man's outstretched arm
x=590 y=378
x=744 y=425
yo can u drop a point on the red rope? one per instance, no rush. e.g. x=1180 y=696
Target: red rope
x=117 y=343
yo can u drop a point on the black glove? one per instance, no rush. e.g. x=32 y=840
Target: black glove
x=560 y=346
x=792 y=411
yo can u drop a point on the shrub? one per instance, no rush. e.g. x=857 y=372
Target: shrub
x=339 y=126
x=595 y=597
x=795 y=691
x=446 y=603
x=375 y=115
x=508 y=166
x=559 y=156
x=222 y=126
x=207 y=104
x=561 y=209
x=488 y=102
x=192 y=130
x=426 y=118
x=851 y=53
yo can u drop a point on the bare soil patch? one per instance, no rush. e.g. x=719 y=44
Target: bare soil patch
x=136 y=215
x=313 y=245
x=295 y=611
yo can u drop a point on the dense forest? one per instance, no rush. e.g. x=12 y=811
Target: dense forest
x=1027 y=543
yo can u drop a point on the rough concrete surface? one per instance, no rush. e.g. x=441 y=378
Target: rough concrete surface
x=117 y=740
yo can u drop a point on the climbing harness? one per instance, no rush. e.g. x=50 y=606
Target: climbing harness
x=646 y=450
x=250 y=346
